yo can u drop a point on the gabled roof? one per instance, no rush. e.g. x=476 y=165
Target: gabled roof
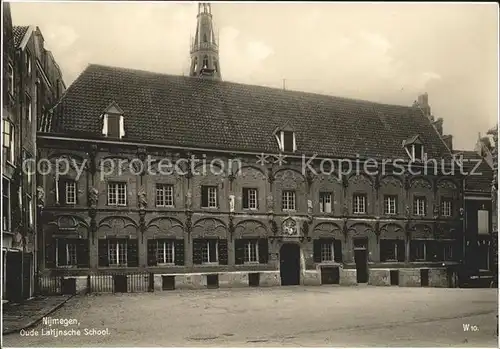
x=194 y=112
x=19 y=33
x=481 y=177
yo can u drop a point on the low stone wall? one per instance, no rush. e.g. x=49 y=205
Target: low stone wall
x=348 y=277
x=311 y=278
x=409 y=277
x=380 y=277
x=438 y=278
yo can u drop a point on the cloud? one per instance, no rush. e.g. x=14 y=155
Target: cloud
x=59 y=37
x=259 y=50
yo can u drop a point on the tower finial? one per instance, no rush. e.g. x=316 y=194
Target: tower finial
x=204 y=48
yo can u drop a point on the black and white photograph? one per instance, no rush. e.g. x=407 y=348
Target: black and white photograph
x=249 y=174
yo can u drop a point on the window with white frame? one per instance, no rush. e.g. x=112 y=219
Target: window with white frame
x=249 y=198
x=359 y=203
x=117 y=193
x=418 y=249
x=165 y=251
x=11 y=81
x=209 y=196
x=164 y=195
x=28 y=62
x=8 y=141
x=419 y=206
x=446 y=205
x=70 y=192
x=288 y=200
x=390 y=204
x=117 y=252
x=66 y=253
x=29 y=203
x=209 y=251
x=27 y=107
x=325 y=202
x=251 y=251
x=6 y=212
x=327 y=251
x=286 y=141
x=113 y=125
x=448 y=251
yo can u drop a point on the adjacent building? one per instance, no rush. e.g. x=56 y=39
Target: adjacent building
x=205 y=182
x=32 y=83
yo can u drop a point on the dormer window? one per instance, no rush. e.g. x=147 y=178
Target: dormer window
x=113 y=122
x=414 y=148
x=286 y=139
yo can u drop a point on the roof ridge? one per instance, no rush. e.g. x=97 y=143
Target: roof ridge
x=135 y=70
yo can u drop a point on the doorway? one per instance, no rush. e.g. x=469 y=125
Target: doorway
x=290 y=264
x=361 y=259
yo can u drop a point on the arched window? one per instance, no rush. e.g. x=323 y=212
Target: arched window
x=205 y=37
x=195 y=66
x=216 y=67
x=205 y=62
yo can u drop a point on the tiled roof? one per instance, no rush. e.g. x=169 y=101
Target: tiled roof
x=187 y=111
x=19 y=32
x=480 y=178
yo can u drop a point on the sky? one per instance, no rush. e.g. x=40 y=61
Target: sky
x=388 y=53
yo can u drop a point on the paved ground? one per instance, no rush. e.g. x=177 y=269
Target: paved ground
x=286 y=316
x=18 y=316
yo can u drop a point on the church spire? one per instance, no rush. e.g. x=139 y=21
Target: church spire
x=204 y=48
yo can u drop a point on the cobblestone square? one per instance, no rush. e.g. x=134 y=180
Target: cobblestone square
x=286 y=316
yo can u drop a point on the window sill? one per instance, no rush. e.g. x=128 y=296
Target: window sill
x=209 y=264
x=165 y=264
x=289 y=210
x=66 y=266
x=251 y=263
x=250 y=209
x=165 y=206
x=209 y=208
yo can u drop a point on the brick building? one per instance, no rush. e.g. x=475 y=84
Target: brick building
x=259 y=216
x=30 y=77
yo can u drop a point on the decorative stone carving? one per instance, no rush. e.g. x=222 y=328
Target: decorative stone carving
x=444 y=184
x=141 y=196
x=359 y=179
x=231 y=203
x=421 y=183
x=270 y=203
x=309 y=206
x=40 y=197
x=189 y=203
x=391 y=181
x=250 y=228
x=209 y=227
x=289 y=227
x=93 y=197
x=289 y=178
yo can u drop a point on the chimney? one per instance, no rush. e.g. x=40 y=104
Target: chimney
x=448 y=140
x=438 y=124
x=423 y=103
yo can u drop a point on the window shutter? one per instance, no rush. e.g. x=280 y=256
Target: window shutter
x=76 y=192
x=337 y=250
x=105 y=124
x=82 y=253
x=263 y=251
x=61 y=252
x=132 y=253
x=50 y=254
x=204 y=197
x=401 y=250
x=239 y=251
x=245 y=198
x=122 y=127
x=61 y=183
x=179 y=252
x=152 y=252
x=412 y=251
x=197 y=258
x=317 y=250
x=222 y=247
x=103 y=252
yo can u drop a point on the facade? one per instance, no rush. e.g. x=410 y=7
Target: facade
x=30 y=75
x=252 y=192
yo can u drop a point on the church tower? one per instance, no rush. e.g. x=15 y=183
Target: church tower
x=204 y=47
